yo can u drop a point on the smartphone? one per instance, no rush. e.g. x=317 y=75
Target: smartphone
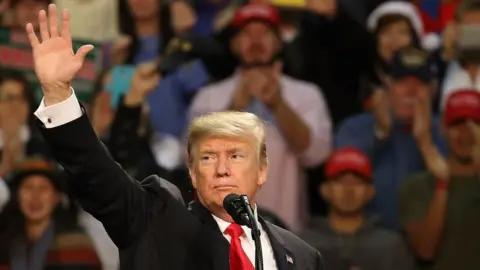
x=468 y=44
x=121 y=78
x=290 y=3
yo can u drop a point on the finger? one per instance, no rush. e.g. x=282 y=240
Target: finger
x=42 y=20
x=66 y=25
x=150 y=68
x=82 y=52
x=32 y=36
x=53 y=20
x=122 y=42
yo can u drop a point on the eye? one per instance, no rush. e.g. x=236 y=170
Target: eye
x=207 y=158
x=237 y=156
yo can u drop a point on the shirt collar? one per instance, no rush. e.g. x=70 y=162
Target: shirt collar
x=223 y=225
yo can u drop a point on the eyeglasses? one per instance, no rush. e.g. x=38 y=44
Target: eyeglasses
x=5 y=97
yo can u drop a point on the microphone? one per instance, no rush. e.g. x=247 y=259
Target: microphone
x=235 y=208
x=238 y=207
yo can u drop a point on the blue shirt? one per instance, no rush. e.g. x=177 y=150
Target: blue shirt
x=170 y=100
x=392 y=160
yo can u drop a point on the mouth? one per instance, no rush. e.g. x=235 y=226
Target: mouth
x=225 y=187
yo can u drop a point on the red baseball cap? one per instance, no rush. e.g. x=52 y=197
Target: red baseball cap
x=462 y=104
x=260 y=12
x=348 y=159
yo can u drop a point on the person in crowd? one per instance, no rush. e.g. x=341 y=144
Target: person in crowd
x=145 y=29
x=36 y=230
x=348 y=238
x=149 y=224
x=439 y=207
x=129 y=146
x=300 y=127
x=389 y=134
x=19 y=137
x=100 y=110
x=22 y=12
x=459 y=55
x=394 y=25
x=335 y=49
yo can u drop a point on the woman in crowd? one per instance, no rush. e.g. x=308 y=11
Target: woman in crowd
x=36 y=230
x=395 y=25
x=18 y=135
x=145 y=28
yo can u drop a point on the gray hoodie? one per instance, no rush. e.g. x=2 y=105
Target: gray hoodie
x=369 y=248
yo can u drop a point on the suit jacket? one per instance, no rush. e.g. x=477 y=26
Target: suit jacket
x=147 y=220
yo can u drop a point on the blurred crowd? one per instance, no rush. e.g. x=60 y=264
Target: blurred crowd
x=372 y=112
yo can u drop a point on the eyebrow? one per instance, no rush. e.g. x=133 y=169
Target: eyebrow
x=229 y=150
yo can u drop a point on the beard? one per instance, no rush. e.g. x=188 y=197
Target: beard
x=464 y=160
x=351 y=212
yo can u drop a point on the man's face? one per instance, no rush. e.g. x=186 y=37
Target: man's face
x=226 y=165
x=405 y=93
x=256 y=43
x=144 y=9
x=347 y=193
x=460 y=140
x=26 y=11
x=13 y=102
x=37 y=198
x=470 y=17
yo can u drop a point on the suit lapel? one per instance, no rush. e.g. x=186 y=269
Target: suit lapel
x=283 y=257
x=216 y=247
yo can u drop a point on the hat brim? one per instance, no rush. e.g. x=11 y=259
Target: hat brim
x=53 y=176
x=364 y=176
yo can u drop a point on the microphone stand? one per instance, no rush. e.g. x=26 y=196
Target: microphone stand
x=255 y=233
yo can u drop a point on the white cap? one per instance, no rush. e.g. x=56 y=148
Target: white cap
x=409 y=11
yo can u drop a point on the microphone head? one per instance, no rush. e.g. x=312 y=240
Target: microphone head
x=233 y=204
x=229 y=202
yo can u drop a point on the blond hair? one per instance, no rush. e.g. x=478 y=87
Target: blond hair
x=231 y=124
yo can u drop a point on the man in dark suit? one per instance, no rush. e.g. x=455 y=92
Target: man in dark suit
x=147 y=221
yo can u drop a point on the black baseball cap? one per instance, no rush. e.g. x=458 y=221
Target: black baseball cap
x=412 y=62
x=188 y=47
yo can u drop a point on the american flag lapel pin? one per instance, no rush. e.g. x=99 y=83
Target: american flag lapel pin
x=289 y=259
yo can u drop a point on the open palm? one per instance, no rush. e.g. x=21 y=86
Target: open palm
x=55 y=62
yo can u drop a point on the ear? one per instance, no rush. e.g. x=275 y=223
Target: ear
x=262 y=178
x=58 y=198
x=234 y=45
x=388 y=82
x=278 y=43
x=371 y=192
x=193 y=176
x=324 y=190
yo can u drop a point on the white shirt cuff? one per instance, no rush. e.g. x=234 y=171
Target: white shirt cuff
x=4 y=194
x=60 y=113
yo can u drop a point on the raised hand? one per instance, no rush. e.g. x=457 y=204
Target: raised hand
x=422 y=120
x=145 y=79
x=55 y=62
x=381 y=112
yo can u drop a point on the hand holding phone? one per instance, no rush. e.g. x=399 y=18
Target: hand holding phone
x=121 y=79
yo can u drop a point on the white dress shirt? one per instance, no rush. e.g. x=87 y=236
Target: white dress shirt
x=248 y=245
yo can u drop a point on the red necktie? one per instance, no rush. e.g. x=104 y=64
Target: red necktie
x=238 y=258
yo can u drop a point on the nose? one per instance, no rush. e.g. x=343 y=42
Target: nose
x=223 y=168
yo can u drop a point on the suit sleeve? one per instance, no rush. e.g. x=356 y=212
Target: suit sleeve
x=124 y=205
x=320 y=265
